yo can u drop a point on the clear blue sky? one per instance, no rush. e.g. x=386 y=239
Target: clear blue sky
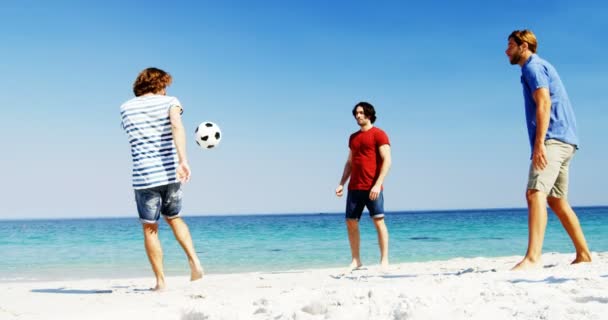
x=280 y=78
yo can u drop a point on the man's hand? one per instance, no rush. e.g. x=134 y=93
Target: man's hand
x=340 y=190
x=183 y=172
x=539 y=160
x=375 y=192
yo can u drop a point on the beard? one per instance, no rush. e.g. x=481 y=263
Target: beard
x=515 y=58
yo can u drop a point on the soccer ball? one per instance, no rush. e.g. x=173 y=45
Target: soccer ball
x=207 y=135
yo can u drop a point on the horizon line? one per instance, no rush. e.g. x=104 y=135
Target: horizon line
x=291 y=213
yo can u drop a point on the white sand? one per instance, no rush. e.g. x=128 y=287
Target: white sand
x=480 y=288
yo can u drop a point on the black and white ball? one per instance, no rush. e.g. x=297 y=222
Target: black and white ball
x=208 y=135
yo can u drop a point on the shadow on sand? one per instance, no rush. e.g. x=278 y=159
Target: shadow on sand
x=71 y=291
x=365 y=277
x=547 y=280
x=591 y=299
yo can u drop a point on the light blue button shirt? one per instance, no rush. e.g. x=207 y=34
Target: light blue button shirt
x=537 y=73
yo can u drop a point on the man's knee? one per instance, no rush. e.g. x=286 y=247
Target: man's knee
x=534 y=195
x=379 y=221
x=150 y=228
x=557 y=203
x=172 y=220
x=352 y=223
x=380 y=225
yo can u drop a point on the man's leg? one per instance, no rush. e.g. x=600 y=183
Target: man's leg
x=155 y=253
x=537 y=223
x=382 y=240
x=569 y=220
x=376 y=212
x=558 y=202
x=353 y=238
x=182 y=234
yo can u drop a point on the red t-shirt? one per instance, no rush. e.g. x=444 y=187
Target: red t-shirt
x=366 y=159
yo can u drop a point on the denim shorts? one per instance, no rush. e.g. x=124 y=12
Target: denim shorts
x=165 y=200
x=356 y=200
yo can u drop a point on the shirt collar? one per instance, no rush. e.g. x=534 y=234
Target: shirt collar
x=533 y=56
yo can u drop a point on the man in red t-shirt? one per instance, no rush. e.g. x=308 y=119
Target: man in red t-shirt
x=368 y=163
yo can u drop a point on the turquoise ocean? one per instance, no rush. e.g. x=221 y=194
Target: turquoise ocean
x=62 y=249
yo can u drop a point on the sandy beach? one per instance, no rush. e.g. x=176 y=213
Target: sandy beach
x=478 y=288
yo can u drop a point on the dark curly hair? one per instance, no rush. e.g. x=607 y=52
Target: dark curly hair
x=368 y=110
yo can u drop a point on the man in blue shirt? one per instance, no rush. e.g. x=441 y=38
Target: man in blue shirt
x=552 y=133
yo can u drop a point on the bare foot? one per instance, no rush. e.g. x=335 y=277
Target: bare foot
x=160 y=286
x=525 y=264
x=384 y=266
x=197 y=273
x=384 y=263
x=582 y=257
x=352 y=267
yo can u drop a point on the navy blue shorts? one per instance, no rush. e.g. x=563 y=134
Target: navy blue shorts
x=356 y=200
x=165 y=200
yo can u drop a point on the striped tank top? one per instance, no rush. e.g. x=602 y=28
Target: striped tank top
x=146 y=121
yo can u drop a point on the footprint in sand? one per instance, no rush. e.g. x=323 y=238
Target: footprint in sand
x=315 y=308
x=194 y=315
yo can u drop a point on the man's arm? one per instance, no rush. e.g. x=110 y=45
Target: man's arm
x=345 y=174
x=179 y=139
x=385 y=154
x=543 y=113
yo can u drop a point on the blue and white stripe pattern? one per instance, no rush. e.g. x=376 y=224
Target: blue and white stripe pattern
x=146 y=121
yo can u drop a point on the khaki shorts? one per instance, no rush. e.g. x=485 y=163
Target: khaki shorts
x=553 y=180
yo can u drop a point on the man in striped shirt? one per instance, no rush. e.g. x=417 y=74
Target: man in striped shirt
x=152 y=121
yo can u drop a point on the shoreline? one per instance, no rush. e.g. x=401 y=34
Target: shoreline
x=146 y=270
x=459 y=288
